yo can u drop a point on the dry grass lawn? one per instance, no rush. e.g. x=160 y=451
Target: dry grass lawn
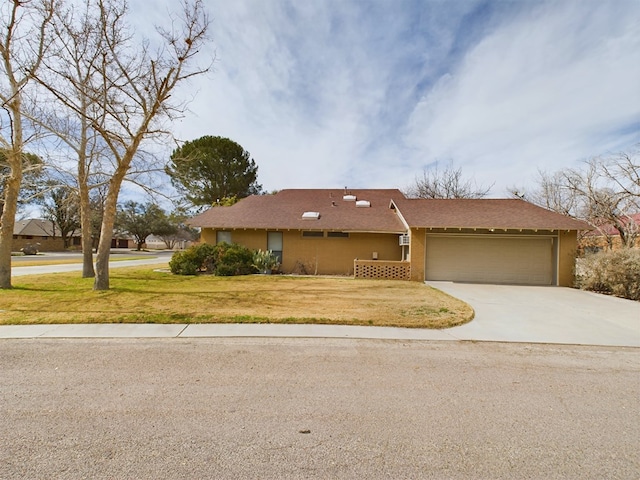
x=142 y=295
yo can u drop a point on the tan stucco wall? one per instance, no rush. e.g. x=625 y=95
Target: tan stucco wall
x=417 y=251
x=318 y=255
x=47 y=244
x=567 y=257
x=335 y=256
x=208 y=235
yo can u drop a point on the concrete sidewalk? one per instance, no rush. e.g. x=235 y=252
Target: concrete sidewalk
x=503 y=313
x=218 y=330
x=469 y=332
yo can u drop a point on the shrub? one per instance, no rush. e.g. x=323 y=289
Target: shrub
x=233 y=259
x=186 y=262
x=183 y=263
x=221 y=259
x=614 y=272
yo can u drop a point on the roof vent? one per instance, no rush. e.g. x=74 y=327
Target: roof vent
x=363 y=203
x=349 y=198
x=311 y=215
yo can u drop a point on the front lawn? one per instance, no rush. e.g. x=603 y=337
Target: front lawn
x=142 y=295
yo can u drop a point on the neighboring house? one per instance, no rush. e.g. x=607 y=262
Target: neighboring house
x=47 y=234
x=156 y=243
x=380 y=233
x=44 y=232
x=120 y=240
x=608 y=237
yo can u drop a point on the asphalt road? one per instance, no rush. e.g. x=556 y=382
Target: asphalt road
x=316 y=408
x=116 y=261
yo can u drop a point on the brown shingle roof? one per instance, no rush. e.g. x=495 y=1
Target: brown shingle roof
x=483 y=213
x=35 y=227
x=284 y=211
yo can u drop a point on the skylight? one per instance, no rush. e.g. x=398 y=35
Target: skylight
x=311 y=215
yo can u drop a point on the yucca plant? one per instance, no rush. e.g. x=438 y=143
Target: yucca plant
x=265 y=261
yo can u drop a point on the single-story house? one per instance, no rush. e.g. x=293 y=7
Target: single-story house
x=43 y=232
x=382 y=234
x=120 y=240
x=153 y=242
x=607 y=236
x=46 y=234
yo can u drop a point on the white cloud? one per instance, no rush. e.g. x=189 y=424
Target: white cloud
x=540 y=92
x=327 y=93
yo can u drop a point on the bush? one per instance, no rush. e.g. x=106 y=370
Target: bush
x=189 y=261
x=222 y=259
x=614 y=272
x=233 y=259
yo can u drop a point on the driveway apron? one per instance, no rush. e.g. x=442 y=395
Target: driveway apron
x=545 y=315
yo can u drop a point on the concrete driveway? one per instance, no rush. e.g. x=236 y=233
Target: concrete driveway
x=545 y=315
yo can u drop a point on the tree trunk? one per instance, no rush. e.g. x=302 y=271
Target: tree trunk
x=11 y=190
x=85 y=227
x=87 y=239
x=106 y=233
x=8 y=219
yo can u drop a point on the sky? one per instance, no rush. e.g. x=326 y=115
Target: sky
x=370 y=93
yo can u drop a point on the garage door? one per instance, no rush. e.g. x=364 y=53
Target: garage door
x=516 y=260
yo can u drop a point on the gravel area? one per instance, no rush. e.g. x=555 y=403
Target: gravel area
x=316 y=408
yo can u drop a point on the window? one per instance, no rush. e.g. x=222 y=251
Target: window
x=309 y=233
x=274 y=243
x=222 y=236
x=337 y=234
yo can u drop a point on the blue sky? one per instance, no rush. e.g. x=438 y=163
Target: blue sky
x=369 y=93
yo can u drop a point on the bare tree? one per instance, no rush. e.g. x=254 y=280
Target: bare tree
x=23 y=43
x=605 y=200
x=74 y=74
x=552 y=193
x=604 y=192
x=623 y=170
x=127 y=89
x=447 y=183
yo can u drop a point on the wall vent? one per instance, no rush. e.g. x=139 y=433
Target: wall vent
x=404 y=240
x=311 y=215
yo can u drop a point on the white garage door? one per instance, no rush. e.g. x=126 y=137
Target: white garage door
x=517 y=260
